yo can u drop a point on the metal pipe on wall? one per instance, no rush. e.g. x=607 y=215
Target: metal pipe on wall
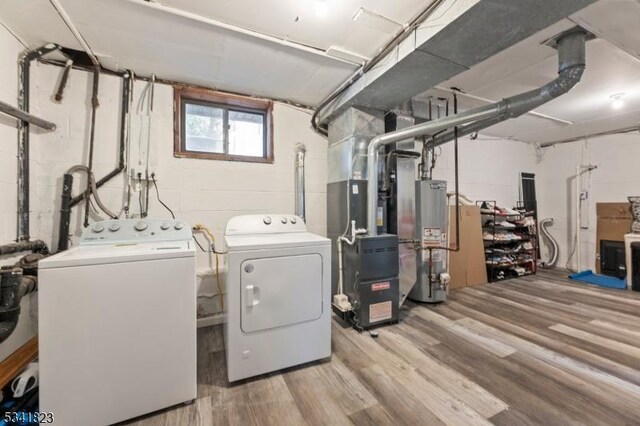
x=300 y=152
x=25 y=116
x=124 y=137
x=571 y=64
x=36 y=246
x=24 y=66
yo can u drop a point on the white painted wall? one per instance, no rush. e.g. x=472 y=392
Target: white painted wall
x=489 y=168
x=199 y=191
x=10 y=48
x=616 y=177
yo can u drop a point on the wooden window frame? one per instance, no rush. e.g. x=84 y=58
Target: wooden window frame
x=182 y=95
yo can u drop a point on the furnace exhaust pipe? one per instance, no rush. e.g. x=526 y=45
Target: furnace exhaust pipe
x=300 y=151
x=571 y=65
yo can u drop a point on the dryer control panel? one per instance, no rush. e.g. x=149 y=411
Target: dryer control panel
x=265 y=224
x=135 y=230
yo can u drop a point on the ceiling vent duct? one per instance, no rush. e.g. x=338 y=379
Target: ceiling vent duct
x=571 y=64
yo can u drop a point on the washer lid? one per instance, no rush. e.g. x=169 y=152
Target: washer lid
x=118 y=253
x=262 y=241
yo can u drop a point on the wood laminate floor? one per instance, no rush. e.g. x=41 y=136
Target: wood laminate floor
x=533 y=350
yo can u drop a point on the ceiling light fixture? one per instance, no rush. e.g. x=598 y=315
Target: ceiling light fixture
x=322 y=8
x=616 y=101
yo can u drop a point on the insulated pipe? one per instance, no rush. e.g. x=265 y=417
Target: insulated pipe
x=24 y=66
x=36 y=246
x=553 y=256
x=300 y=151
x=571 y=64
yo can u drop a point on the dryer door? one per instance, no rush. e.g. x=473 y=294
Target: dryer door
x=280 y=291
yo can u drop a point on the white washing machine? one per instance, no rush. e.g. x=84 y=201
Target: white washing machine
x=278 y=295
x=117 y=323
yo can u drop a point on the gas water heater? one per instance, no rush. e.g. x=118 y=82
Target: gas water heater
x=431 y=233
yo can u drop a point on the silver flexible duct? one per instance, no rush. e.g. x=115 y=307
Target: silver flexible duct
x=300 y=151
x=571 y=65
x=553 y=255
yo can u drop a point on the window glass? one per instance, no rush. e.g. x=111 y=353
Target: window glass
x=246 y=134
x=204 y=128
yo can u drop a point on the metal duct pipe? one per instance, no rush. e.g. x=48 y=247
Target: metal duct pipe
x=300 y=151
x=427 y=128
x=24 y=66
x=13 y=286
x=553 y=256
x=571 y=64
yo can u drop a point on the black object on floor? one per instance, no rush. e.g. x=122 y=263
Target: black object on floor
x=612 y=259
x=635 y=266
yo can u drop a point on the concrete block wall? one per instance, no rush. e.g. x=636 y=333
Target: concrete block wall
x=10 y=49
x=616 y=178
x=489 y=168
x=198 y=191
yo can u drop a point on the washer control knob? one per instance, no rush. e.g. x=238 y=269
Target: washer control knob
x=267 y=220
x=165 y=225
x=98 y=228
x=114 y=227
x=140 y=226
x=293 y=220
x=283 y=220
x=178 y=226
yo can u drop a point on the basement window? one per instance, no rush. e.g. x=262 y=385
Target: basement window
x=216 y=126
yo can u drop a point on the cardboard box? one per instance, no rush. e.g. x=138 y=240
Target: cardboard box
x=467 y=266
x=614 y=221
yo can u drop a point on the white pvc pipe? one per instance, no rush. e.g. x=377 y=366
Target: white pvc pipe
x=579 y=171
x=67 y=20
x=578 y=224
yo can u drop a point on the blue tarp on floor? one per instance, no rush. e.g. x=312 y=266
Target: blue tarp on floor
x=602 y=280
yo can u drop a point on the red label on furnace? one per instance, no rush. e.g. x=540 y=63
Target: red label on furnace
x=380 y=286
